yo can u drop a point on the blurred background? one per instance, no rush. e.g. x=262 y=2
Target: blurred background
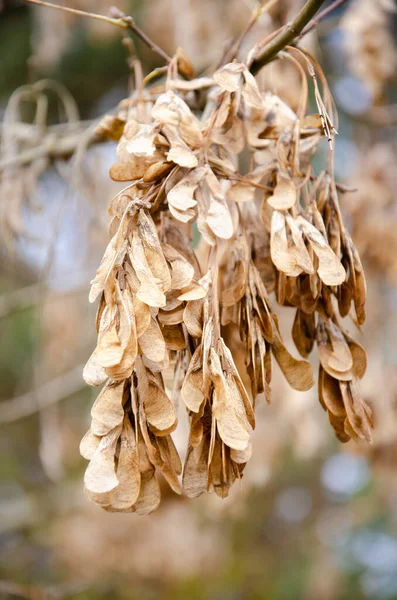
x=312 y=518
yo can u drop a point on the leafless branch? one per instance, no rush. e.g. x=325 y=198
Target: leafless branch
x=119 y=19
x=289 y=33
x=258 y=12
x=61 y=145
x=321 y=15
x=50 y=393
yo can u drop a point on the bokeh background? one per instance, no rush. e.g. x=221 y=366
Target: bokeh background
x=312 y=518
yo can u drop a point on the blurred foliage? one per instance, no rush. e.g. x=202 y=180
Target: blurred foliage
x=14 y=50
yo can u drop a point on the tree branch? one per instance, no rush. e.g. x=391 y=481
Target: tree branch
x=119 y=19
x=64 y=145
x=258 y=12
x=287 y=35
x=324 y=13
x=49 y=393
x=141 y=34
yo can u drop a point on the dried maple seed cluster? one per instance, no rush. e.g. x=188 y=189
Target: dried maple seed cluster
x=168 y=313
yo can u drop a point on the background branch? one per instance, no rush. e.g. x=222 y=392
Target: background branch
x=119 y=19
x=62 y=145
x=258 y=12
x=50 y=393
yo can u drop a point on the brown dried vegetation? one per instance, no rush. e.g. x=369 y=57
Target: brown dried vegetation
x=165 y=305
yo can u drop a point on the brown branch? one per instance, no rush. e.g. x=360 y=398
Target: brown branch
x=120 y=20
x=258 y=12
x=49 y=393
x=289 y=33
x=63 y=146
x=324 y=13
x=29 y=296
x=141 y=34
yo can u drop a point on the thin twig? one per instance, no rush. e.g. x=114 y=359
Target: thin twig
x=120 y=20
x=287 y=35
x=52 y=148
x=82 y=13
x=258 y=12
x=141 y=34
x=29 y=296
x=50 y=393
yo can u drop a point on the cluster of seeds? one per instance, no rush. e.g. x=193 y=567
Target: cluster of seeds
x=222 y=209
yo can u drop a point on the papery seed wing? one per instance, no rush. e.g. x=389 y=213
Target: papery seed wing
x=304 y=332
x=302 y=256
x=194 y=291
x=232 y=370
x=228 y=408
x=195 y=470
x=159 y=410
x=330 y=268
x=171 y=317
x=250 y=91
x=174 y=337
x=218 y=215
x=340 y=357
x=153 y=252
x=108 y=407
x=182 y=272
x=113 y=257
x=359 y=418
x=149 y=495
x=179 y=152
x=94 y=374
x=283 y=256
x=192 y=387
x=220 y=471
x=359 y=357
x=182 y=215
x=89 y=445
x=193 y=317
x=241 y=457
x=143 y=143
x=109 y=349
x=128 y=474
x=152 y=343
x=330 y=394
x=284 y=194
x=229 y=77
x=142 y=316
x=170 y=109
x=149 y=292
x=126 y=334
x=100 y=475
x=180 y=196
x=168 y=469
x=298 y=373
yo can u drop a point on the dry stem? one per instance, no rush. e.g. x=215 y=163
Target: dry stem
x=50 y=393
x=321 y=16
x=287 y=35
x=258 y=12
x=120 y=20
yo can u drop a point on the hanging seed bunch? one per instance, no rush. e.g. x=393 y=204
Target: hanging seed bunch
x=221 y=160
